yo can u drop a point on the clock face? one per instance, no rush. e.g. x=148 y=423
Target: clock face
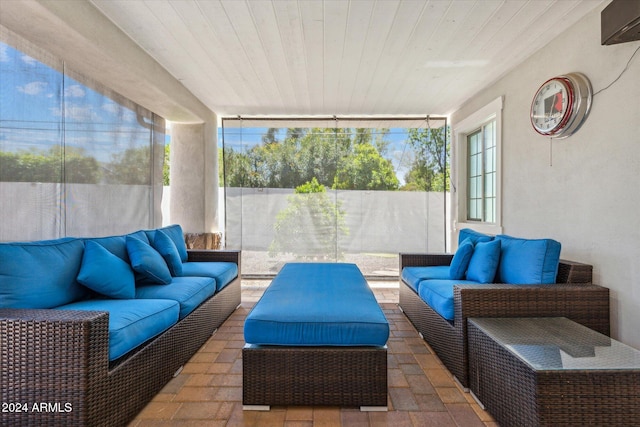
x=561 y=105
x=552 y=106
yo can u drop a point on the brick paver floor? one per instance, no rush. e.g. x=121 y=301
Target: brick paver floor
x=208 y=391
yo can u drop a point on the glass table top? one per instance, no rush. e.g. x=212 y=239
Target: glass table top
x=557 y=343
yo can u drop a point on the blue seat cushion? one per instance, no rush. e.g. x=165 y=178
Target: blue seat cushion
x=412 y=276
x=438 y=294
x=189 y=292
x=131 y=321
x=106 y=273
x=223 y=272
x=528 y=261
x=41 y=274
x=484 y=262
x=317 y=304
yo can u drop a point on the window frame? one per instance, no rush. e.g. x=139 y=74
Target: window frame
x=466 y=127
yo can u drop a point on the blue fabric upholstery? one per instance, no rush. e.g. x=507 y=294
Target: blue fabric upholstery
x=131 y=322
x=189 y=292
x=165 y=247
x=460 y=261
x=117 y=244
x=147 y=262
x=105 y=272
x=438 y=294
x=474 y=236
x=40 y=274
x=223 y=272
x=175 y=233
x=528 y=261
x=484 y=262
x=317 y=304
x=412 y=276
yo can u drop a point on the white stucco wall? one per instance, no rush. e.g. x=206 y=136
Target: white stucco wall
x=588 y=197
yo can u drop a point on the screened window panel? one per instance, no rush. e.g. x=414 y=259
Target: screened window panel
x=75 y=158
x=322 y=197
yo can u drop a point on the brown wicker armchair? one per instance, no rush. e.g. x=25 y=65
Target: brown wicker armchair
x=573 y=296
x=58 y=360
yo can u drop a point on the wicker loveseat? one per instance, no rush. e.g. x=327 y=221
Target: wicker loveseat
x=59 y=365
x=572 y=296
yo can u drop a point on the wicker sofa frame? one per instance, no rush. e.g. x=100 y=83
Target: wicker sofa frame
x=573 y=296
x=58 y=360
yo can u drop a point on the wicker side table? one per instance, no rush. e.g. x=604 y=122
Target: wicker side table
x=552 y=371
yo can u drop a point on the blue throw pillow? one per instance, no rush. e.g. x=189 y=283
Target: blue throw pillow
x=106 y=273
x=460 y=261
x=484 y=262
x=175 y=233
x=165 y=247
x=147 y=262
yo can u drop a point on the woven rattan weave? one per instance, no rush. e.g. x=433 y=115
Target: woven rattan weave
x=572 y=297
x=55 y=364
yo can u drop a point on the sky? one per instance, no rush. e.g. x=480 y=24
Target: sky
x=37 y=102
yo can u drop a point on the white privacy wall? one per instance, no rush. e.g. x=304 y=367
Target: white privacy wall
x=585 y=190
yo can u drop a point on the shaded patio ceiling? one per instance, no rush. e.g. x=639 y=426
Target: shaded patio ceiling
x=348 y=57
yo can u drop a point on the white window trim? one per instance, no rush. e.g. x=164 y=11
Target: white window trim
x=472 y=123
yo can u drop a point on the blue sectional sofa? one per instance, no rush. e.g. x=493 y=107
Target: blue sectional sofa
x=95 y=327
x=494 y=276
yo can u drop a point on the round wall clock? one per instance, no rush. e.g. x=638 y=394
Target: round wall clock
x=561 y=105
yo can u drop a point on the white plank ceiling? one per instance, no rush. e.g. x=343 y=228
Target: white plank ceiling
x=340 y=57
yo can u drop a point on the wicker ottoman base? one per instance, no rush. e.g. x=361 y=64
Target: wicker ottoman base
x=334 y=376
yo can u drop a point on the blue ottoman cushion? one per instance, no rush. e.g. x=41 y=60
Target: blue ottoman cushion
x=317 y=304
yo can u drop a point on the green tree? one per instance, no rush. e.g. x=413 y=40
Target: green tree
x=366 y=169
x=131 y=167
x=307 y=226
x=430 y=165
x=166 y=166
x=51 y=165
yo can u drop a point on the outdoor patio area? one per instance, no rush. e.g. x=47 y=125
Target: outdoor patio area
x=208 y=391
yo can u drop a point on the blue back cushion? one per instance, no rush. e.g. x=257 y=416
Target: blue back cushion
x=460 y=261
x=528 y=261
x=40 y=274
x=117 y=244
x=474 y=236
x=484 y=262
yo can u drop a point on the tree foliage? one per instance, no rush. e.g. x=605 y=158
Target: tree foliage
x=49 y=166
x=310 y=226
x=339 y=159
x=430 y=165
